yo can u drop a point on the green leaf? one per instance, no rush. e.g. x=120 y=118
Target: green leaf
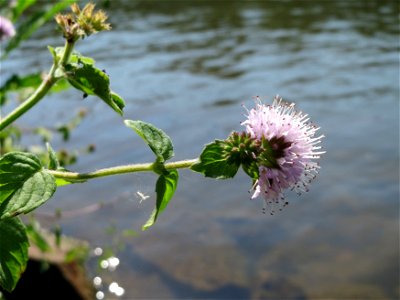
x=24 y=185
x=54 y=164
x=158 y=141
x=53 y=53
x=75 y=58
x=165 y=189
x=251 y=169
x=60 y=85
x=93 y=81
x=13 y=252
x=34 y=22
x=215 y=163
x=117 y=99
x=15 y=168
x=62 y=182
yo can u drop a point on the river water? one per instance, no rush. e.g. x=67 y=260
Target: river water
x=188 y=68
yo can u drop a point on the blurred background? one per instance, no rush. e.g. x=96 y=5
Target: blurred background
x=187 y=67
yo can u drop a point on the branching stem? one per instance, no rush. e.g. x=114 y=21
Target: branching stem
x=41 y=91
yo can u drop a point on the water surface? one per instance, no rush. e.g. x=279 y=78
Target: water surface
x=188 y=68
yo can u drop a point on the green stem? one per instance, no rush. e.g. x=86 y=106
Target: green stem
x=120 y=170
x=40 y=92
x=68 y=49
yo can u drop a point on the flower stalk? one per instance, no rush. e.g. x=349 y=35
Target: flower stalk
x=133 y=168
x=41 y=91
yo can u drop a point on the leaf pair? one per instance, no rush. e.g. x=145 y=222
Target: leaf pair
x=24 y=185
x=161 y=145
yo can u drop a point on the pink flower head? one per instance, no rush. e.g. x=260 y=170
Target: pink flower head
x=6 y=28
x=294 y=147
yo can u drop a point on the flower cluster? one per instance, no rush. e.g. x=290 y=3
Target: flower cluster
x=6 y=28
x=83 y=22
x=288 y=152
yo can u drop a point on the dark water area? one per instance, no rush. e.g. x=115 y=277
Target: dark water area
x=188 y=68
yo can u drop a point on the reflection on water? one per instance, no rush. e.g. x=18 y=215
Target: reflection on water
x=187 y=68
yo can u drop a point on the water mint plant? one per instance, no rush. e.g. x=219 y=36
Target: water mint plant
x=278 y=148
